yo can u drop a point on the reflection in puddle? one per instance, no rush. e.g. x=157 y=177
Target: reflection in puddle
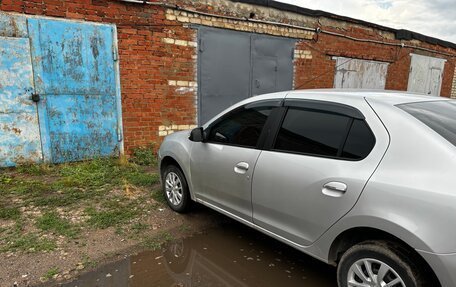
x=232 y=255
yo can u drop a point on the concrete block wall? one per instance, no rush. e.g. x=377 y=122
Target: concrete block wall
x=158 y=54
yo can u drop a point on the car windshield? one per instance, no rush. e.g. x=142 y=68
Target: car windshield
x=438 y=115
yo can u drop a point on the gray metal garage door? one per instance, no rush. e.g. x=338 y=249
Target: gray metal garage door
x=233 y=66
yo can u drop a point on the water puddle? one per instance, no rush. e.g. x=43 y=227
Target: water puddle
x=231 y=255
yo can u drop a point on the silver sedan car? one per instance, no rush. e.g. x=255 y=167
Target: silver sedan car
x=362 y=180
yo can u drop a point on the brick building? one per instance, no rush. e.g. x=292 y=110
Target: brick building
x=177 y=63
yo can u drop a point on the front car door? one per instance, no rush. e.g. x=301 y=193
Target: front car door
x=222 y=165
x=312 y=173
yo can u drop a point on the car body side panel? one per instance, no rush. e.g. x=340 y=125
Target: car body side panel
x=287 y=195
x=416 y=206
x=414 y=184
x=444 y=266
x=215 y=180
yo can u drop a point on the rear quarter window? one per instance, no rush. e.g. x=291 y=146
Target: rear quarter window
x=360 y=141
x=438 y=115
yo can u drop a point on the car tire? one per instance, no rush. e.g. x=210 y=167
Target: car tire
x=379 y=256
x=175 y=189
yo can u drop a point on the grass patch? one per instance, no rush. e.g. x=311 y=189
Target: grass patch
x=27 y=243
x=88 y=262
x=111 y=217
x=154 y=243
x=13 y=239
x=139 y=228
x=159 y=196
x=51 y=273
x=27 y=188
x=9 y=213
x=90 y=174
x=116 y=187
x=35 y=169
x=142 y=179
x=51 y=221
x=65 y=198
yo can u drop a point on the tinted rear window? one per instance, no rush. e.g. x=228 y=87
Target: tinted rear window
x=439 y=116
x=312 y=132
x=360 y=141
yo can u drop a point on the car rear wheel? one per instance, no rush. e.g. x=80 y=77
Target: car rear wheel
x=378 y=264
x=175 y=189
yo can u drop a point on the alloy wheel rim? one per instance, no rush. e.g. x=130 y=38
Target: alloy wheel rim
x=173 y=188
x=373 y=273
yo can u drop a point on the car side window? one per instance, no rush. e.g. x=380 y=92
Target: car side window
x=324 y=133
x=360 y=141
x=312 y=132
x=242 y=127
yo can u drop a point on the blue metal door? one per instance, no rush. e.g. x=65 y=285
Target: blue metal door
x=75 y=76
x=19 y=132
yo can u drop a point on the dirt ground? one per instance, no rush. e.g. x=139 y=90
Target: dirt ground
x=59 y=221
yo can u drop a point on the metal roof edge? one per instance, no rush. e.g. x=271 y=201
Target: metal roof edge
x=400 y=34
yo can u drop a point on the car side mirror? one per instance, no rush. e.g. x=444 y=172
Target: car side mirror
x=197 y=135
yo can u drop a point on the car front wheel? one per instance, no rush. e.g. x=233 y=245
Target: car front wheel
x=175 y=189
x=378 y=264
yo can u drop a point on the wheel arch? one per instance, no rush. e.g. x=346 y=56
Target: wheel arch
x=356 y=235
x=170 y=159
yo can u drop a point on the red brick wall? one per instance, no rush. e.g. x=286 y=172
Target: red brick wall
x=148 y=63
x=319 y=71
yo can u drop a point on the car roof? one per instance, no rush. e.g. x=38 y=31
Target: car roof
x=386 y=97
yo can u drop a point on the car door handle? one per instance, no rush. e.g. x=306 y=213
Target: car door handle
x=334 y=189
x=241 y=167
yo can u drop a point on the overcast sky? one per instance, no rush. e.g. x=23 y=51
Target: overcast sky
x=436 y=18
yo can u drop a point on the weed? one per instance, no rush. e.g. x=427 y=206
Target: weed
x=144 y=155
x=154 y=243
x=51 y=221
x=4 y=179
x=51 y=273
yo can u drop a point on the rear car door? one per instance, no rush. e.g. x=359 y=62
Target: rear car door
x=315 y=168
x=222 y=165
